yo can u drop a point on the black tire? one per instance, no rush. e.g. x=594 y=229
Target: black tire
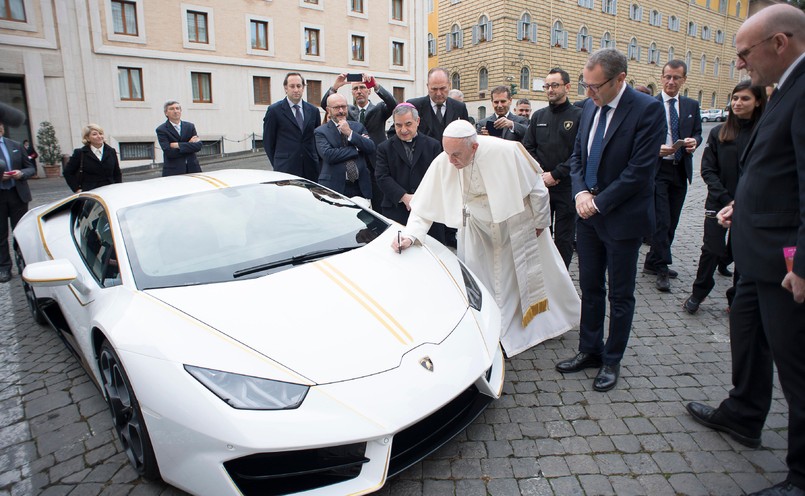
x=704 y=119
x=126 y=413
x=30 y=297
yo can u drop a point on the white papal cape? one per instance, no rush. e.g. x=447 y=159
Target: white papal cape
x=507 y=201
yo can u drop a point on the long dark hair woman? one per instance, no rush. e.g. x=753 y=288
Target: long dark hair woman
x=93 y=165
x=724 y=148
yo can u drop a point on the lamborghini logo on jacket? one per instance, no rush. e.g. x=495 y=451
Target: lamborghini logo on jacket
x=426 y=363
x=568 y=125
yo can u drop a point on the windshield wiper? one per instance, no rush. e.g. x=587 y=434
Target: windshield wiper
x=295 y=260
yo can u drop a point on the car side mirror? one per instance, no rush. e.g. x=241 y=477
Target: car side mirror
x=51 y=273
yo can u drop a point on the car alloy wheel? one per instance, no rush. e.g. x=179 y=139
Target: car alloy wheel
x=30 y=296
x=126 y=413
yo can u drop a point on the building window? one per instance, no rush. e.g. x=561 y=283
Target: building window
x=716 y=63
x=431 y=45
x=699 y=98
x=581 y=90
x=688 y=59
x=722 y=6
x=399 y=93
x=705 y=33
x=738 y=9
x=358 y=43
x=606 y=41
x=259 y=34
x=636 y=12
x=713 y=100
x=670 y=53
x=609 y=6
x=633 y=51
x=483 y=79
x=691 y=28
x=526 y=30
x=655 y=19
x=703 y=64
x=732 y=70
x=482 y=112
x=584 y=42
x=130 y=81
x=455 y=39
x=313 y=90
x=262 y=90
x=124 y=17
x=197 y=27
x=733 y=41
x=136 y=151
x=202 y=87
x=356 y=6
x=430 y=10
x=673 y=23
x=455 y=81
x=398 y=53
x=587 y=4
x=397 y=10
x=720 y=37
x=525 y=79
x=558 y=35
x=482 y=31
x=311 y=42
x=653 y=54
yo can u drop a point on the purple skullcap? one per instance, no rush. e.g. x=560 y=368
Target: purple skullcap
x=404 y=104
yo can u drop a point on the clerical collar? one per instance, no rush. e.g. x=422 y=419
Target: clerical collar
x=411 y=141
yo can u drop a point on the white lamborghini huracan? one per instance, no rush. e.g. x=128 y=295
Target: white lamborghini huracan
x=254 y=333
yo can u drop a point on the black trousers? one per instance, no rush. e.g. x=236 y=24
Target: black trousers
x=670 y=188
x=11 y=211
x=715 y=251
x=766 y=324
x=563 y=222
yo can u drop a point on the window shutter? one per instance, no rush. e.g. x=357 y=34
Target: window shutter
x=460 y=39
x=533 y=32
x=564 y=39
x=520 y=30
x=489 y=31
x=447 y=42
x=475 y=35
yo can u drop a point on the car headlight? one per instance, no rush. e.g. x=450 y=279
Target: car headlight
x=473 y=290
x=250 y=393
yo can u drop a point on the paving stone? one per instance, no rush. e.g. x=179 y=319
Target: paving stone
x=657 y=485
x=535 y=486
x=497 y=468
x=626 y=486
x=671 y=463
x=503 y=487
x=688 y=484
x=553 y=466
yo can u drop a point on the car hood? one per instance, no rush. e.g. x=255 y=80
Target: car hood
x=338 y=318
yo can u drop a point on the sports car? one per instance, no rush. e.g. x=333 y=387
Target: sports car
x=254 y=333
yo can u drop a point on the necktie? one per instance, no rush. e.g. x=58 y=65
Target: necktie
x=6 y=164
x=300 y=121
x=674 y=117
x=350 y=165
x=439 y=115
x=594 y=158
x=362 y=117
x=178 y=128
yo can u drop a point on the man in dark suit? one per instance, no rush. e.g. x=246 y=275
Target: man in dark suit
x=683 y=122
x=288 y=131
x=504 y=124
x=612 y=171
x=402 y=161
x=179 y=142
x=372 y=116
x=436 y=110
x=343 y=146
x=767 y=316
x=14 y=192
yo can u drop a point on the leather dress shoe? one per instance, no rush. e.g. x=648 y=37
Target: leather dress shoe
x=663 y=283
x=607 y=377
x=579 y=362
x=724 y=270
x=5 y=275
x=653 y=272
x=784 y=488
x=691 y=305
x=712 y=418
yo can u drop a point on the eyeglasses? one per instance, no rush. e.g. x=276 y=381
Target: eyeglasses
x=338 y=107
x=552 y=86
x=595 y=87
x=669 y=77
x=745 y=52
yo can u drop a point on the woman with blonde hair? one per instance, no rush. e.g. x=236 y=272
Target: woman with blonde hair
x=93 y=165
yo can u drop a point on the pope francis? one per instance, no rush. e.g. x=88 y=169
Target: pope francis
x=491 y=190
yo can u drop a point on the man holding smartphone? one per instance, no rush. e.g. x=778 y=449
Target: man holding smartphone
x=503 y=123
x=683 y=135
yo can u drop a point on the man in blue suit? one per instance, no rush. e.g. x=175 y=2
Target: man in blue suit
x=288 y=131
x=612 y=172
x=179 y=142
x=344 y=147
x=675 y=171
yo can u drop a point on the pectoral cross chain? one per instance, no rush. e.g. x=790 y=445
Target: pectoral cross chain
x=464 y=216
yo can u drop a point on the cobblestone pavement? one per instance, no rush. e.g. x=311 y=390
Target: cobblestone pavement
x=548 y=435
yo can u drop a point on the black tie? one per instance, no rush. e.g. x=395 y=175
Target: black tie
x=439 y=116
x=299 y=119
x=362 y=117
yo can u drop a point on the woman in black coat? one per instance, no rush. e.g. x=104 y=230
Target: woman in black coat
x=93 y=165
x=720 y=171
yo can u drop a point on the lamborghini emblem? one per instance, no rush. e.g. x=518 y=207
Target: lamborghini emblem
x=426 y=363
x=568 y=125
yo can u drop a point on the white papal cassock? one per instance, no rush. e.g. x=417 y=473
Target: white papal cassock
x=503 y=192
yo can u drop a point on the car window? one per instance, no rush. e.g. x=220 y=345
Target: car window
x=210 y=236
x=93 y=238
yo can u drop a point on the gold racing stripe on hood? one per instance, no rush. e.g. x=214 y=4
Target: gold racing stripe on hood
x=366 y=301
x=212 y=180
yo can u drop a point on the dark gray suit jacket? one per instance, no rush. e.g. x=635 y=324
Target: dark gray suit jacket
x=427 y=118
x=516 y=134
x=289 y=148
x=376 y=115
x=20 y=162
x=180 y=160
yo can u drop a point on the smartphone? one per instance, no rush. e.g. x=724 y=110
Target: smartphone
x=492 y=130
x=711 y=213
x=678 y=144
x=354 y=78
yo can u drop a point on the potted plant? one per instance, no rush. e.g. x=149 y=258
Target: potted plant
x=49 y=149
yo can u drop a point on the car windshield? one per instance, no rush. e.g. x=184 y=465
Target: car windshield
x=240 y=232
